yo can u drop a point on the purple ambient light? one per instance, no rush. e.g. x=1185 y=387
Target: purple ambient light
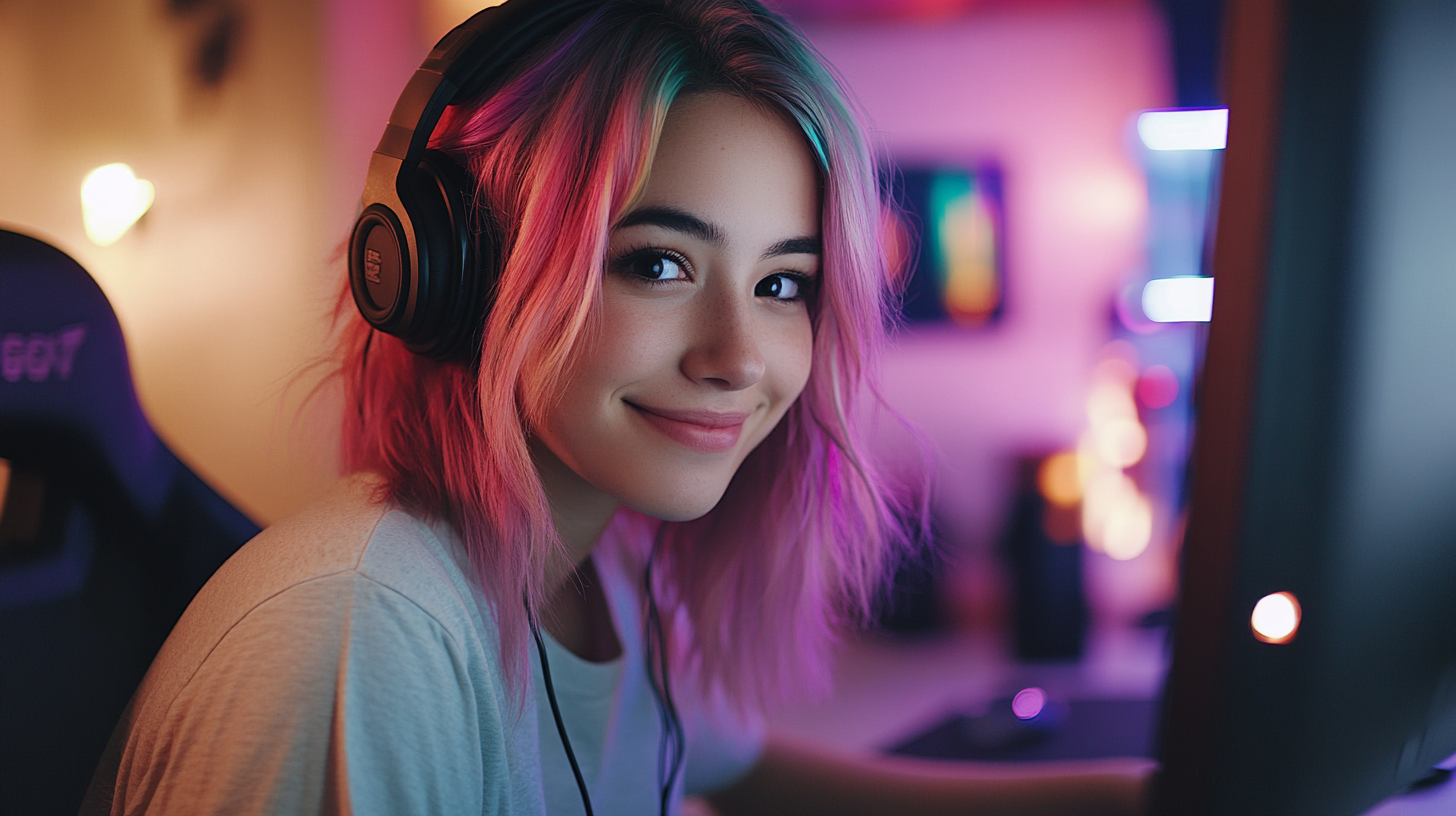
x=1028 y=703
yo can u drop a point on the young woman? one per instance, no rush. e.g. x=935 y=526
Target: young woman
x=574 y=561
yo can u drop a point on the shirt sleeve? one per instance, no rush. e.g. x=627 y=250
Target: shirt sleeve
x=336 y=696
x=413 y=734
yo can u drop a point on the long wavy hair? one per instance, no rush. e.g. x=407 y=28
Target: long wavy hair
x=753 y=593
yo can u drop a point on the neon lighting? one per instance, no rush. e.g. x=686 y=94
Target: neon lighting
x=1184 y=129
x=1276 y=618
x=1184 y=299
x=112 y=199
x=1028 y=703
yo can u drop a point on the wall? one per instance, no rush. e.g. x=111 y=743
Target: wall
x=222 y=288
x=1048 y=90
x=225 y=289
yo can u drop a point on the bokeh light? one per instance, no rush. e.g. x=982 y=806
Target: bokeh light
x=1182 y=299
x=1028 y=703
x=1276 y=618
x=4 y=485
x=1157 y=387
x=1060 y=479
x=1128 y=528
x=1201 y=129
x=112 y=199
x=1121 y=442
x=1117 y=517
x=1110 y=400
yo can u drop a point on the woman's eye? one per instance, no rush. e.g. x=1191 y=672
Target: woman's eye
x=780 y=287
x=654 y=266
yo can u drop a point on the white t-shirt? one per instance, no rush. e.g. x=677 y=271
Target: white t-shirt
x=343 y=662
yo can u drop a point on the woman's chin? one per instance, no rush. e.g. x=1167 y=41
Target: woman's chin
x=677 y=508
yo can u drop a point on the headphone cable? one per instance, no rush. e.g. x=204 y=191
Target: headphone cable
x=672 y=744
x=556 y=712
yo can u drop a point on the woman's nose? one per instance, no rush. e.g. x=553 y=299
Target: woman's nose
x=725 y=351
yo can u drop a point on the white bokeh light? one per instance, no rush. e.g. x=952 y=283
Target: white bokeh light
x=1276 y=618
x=1205 y=129
x=112 y=199
x=1183 y=299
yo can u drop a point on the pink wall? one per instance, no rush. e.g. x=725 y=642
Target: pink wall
x=1048 y=91
x=371 y=48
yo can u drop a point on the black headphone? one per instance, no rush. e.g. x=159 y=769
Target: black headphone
x=415 y=268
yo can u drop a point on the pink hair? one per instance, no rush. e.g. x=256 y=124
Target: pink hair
x=753 y=592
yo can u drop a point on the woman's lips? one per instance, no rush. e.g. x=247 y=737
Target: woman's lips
x=703 y=431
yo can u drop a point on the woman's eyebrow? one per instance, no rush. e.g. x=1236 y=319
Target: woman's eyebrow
x=676 y=220
x=685 y=222
x=803 y=245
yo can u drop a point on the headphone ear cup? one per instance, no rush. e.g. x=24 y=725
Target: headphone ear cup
x=380 y=271
x=450 y=307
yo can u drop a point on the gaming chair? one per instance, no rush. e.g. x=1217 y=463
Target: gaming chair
x=104 y=535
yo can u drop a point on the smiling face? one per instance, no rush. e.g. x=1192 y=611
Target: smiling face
x=705 y=337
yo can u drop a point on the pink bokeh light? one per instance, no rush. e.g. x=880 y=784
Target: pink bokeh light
x=1157 y=387
x=1028 y=703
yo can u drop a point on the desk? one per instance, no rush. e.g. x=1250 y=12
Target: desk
x=888 y=690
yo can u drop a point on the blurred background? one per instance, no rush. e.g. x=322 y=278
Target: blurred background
x=1052 y=381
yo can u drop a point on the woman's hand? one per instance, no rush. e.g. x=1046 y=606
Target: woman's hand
x=794 y=777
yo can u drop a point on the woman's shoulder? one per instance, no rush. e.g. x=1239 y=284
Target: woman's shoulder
x=341 y=619
x=328 y=537
x=348 y=559
x=355 y=531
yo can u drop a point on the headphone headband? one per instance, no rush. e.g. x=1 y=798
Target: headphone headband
x=467 y=60
x=412 y=268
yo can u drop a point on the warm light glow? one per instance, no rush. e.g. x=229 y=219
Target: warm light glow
x=1105 y=200
x=1276 y=618
x=1110 y=401
x=1117 y=519
x=438 y=17
x=112 y=199
x=1060 y=479
x=1115 y=370
x=1129 y=528
x=462 y=9
x=1028 y=703
x=1120 y=442
x=1118 y=438
x=1184 y=129
x=4 y=485
x=1184 y=299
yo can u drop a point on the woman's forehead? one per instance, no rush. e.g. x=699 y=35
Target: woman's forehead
x=736 y=164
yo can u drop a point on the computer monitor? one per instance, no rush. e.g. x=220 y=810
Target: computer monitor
x=1325 y=459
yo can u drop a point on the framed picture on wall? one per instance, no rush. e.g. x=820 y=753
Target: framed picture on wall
x=952 y=220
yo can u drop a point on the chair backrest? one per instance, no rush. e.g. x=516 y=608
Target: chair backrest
x=104 y=535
